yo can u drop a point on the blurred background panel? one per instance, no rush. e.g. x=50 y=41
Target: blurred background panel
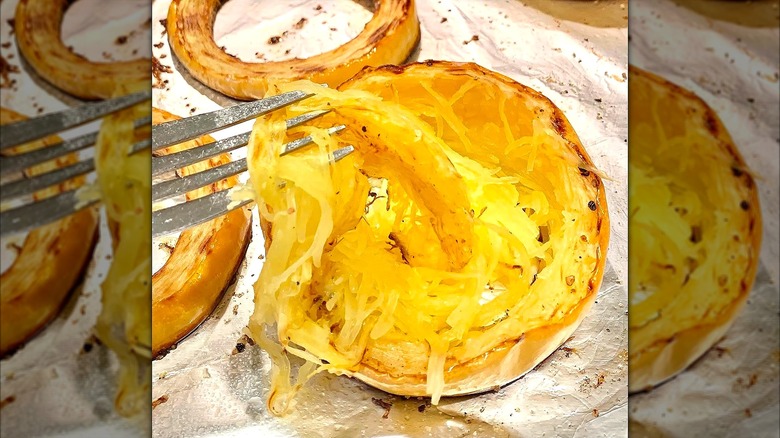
x=75 y=290
x=703 y=265
x=605 y=13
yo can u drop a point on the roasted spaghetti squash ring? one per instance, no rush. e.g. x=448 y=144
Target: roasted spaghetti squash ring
x=695 y=230
x=360 y=277
x=50 y=262
x=38 y=34
x=188 y=287
x=388 y=38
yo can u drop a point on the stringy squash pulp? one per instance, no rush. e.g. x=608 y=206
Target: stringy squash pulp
x=458 y=246
x=124 y=183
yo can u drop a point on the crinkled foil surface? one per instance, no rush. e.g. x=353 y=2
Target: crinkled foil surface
x=62 y=382
x=732 y=389
x=206 y=388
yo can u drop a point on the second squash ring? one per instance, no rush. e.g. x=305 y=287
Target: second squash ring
x=388 y=38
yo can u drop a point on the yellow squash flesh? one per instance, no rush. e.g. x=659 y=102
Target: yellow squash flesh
x=123 y=325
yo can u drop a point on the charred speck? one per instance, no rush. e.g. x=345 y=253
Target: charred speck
x=274 y=40
x=384 y=405
x=744 y=205
x=87 y=347
x=696 y=234
x=240 y=347
x=592 y=205
x=473 y=38
x=736 y=171
x=159 y=401
x=363 y=129
x=584 y=172
x=300 y=23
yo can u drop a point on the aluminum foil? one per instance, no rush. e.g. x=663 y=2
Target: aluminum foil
x=205 y=387
x=63 y=383
x=731 y=390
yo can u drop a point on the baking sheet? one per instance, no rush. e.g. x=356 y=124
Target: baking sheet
x=53 y=386
x=732 y=390
x=206 y=388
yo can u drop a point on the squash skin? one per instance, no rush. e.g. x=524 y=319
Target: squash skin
x=205 y=258
x=389 y=38
x=38 y=34
x=50 y=263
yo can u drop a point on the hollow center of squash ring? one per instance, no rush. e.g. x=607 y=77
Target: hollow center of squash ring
x=108 y=30
x=11 y=246
x=269 y=30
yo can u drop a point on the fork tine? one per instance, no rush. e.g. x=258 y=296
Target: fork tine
x=301 y=142
x=169 y=189
x=16 y=163
x=29 y=186
x=338 y=154
x=306 y=117
x=14 y=134
x=181 y=130
x=178 y=160
x=40 y=213
x=180 y=186
x=140 y=145
x=188 y=214
x=191 y=213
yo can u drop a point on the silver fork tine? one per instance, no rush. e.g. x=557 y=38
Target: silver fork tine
x=306 y=117
x=178 y=160
x=301 y=142
x=191 y=213
x=40 y=213
x=16 y=163
x=14 y=134
x=175 y=187
x=186 y=157
x=169 y=189
x=181 y=130
x=187 y=214
x=28 y=186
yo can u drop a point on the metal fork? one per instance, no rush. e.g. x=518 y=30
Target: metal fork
x=37 y=213
x=187 y=214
